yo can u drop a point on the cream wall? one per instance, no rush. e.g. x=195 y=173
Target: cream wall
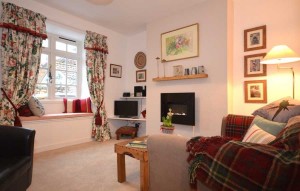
x=282 y=19
x=134 y=43
x=211 y=92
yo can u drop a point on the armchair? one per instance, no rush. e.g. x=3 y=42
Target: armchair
x=16 y=158
x=226 y=163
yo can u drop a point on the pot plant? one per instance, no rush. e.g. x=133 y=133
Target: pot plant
x=167 y=126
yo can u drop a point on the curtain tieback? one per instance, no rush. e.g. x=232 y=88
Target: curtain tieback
x=17 y=119
x=98 y=119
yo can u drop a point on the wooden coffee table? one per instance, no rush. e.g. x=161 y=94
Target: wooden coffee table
x=140 y=154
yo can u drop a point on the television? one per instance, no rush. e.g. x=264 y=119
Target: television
x=126 y=109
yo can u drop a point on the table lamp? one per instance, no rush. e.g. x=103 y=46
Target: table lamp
x=282 y=54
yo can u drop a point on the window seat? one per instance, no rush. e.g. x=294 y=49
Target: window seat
x=59 y=130
x=55 y=116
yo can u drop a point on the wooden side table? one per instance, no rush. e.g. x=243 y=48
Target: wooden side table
x=140 y=154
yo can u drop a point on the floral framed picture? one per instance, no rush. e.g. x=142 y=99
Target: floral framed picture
x=253 y=67
x=255 y=91
x=115 y=71
x=141 y=76
x=255 y=38
x=180 y=43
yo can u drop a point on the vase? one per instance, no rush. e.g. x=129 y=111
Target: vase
x=167 y=130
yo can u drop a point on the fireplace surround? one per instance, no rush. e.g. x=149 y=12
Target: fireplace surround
x=182 y=105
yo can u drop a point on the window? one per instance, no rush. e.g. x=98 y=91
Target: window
x=60 y=69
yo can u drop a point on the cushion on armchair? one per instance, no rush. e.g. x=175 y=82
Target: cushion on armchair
x=256 y=134
x=281 y=110
x=271 y=127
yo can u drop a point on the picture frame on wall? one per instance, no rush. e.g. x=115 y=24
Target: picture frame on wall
x=253 y=67
x=180 y=43
x=255 y=38
x=115 y=71
x=255 y=91
x=141 y=76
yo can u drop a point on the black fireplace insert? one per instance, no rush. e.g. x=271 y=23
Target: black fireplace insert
x=182 y=105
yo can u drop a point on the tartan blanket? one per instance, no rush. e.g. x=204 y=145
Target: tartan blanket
x=222 y=163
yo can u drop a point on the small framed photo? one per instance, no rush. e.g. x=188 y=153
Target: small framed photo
x=255 y=38
x=178 y=70
x=141 y=76
x=255 y=91
x=115 y=71
x=253 y=67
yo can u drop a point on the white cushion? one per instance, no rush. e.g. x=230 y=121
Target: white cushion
x=36 y=106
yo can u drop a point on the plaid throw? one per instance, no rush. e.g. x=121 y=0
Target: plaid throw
x=235 y=165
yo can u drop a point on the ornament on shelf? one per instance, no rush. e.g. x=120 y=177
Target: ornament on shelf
x=163 y=61
x=157 y=60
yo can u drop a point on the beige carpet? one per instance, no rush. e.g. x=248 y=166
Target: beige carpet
x=85 y=167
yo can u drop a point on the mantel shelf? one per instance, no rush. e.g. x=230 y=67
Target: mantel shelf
x=180 y=77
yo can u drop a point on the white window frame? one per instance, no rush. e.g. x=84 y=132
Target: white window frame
x=52 y=53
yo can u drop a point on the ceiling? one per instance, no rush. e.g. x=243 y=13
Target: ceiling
x=123 y=16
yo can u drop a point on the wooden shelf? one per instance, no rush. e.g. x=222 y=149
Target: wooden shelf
x=180 y=77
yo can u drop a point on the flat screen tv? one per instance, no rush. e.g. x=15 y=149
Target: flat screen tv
x=126 y=109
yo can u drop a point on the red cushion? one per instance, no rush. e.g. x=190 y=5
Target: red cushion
x=77 y=105
x=85 y=105
x=71 y=105
x=25 y=111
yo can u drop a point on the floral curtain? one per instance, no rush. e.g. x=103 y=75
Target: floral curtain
x=96 y=55
x=22 y=34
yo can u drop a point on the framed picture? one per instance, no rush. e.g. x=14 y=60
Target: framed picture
x=115 y=71
x=180 y=43
x=255 y=91
x=255 y=38
x=141 y=76
x=252 y=66
x=178 y=70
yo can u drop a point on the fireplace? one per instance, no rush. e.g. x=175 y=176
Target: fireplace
x=182 y=105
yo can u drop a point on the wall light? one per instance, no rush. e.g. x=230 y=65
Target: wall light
x=282 y=54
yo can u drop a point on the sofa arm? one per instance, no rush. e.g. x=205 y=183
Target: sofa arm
x=16 y=141
x=168 y=166
x=235 y=125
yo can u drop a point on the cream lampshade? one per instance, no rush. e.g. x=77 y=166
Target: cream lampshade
x=279 y=55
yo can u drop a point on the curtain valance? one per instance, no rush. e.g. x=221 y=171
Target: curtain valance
x=95 y=41
x=24 y=20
